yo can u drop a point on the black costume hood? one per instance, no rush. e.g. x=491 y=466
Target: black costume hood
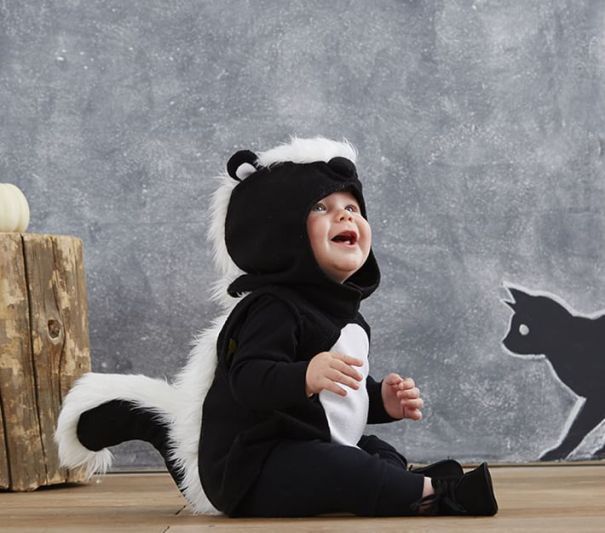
x=265 y=222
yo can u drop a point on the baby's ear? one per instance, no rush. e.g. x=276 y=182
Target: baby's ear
x=241 y=164
x=343 y=166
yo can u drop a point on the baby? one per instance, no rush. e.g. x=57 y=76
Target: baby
x=283 y=422
x=289 y=391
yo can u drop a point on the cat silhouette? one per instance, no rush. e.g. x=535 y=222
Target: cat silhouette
x=574 y=345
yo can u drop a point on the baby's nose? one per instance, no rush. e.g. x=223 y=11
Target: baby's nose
x=343 y=214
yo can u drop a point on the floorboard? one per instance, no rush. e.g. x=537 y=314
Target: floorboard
x=531 y=498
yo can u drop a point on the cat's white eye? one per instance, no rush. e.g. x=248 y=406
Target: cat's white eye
x=524 y=330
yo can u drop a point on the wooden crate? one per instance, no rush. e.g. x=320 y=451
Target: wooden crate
x=44 y=347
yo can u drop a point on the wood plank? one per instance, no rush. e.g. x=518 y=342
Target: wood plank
x=108 y=503
x=17 y=380
x=552 y=498
x=4 y=473
x=47 y=342
x=8 y=247
x=59 y=332
x=73 y=305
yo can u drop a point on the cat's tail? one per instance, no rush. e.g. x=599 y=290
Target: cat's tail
x=103 y=410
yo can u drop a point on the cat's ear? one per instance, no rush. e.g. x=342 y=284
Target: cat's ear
x=518 y=295
x=512 y=305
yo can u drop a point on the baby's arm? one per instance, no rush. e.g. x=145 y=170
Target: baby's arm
x=264 y=373
x=327 y=369
x=401 y=397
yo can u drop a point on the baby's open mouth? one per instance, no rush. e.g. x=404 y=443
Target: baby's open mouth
x=349 y=237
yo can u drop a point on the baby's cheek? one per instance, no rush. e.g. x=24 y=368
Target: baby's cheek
x=366 y=229
x=313 y=231
x=367 y=241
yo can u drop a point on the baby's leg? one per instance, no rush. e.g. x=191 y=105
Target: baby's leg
x=307 y=478
x=445 y=468
x=375 y=446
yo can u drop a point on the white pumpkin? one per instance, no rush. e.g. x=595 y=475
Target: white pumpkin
x=14 y=210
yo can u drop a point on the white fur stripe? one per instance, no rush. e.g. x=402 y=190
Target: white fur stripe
x=192 y=384
x=308 y=151
x=228 y=271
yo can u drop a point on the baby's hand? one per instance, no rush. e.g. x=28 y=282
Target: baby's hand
x=327 y=369
x=401 y=397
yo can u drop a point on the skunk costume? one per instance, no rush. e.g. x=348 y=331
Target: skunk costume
x=236 y=429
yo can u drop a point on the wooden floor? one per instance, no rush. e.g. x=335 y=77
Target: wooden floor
x=536 y=498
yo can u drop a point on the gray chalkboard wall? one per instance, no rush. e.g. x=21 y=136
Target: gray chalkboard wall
x=481 y=131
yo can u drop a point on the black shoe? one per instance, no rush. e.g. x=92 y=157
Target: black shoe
x=472 y=494
x=445 y=468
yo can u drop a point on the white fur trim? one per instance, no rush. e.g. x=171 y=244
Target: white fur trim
x=192 y=384
x=308 y=151
x=92 y=390
x=228 y=271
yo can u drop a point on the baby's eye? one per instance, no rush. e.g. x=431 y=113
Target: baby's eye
x=353 y=208
x=318 y=207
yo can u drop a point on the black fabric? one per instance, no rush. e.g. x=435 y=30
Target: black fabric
x=375 y=446
x=117 y=421
x=444 y=468
x=307 y=478
x=266 y=233
x=257 y=398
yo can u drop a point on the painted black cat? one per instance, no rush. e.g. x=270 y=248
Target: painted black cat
x=574 y=345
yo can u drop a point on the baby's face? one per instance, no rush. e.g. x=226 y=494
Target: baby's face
x=340 y=237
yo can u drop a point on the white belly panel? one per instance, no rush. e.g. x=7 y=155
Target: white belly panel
x=347 y=416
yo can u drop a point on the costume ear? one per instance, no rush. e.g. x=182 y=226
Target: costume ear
x=343 y=166
x=242 y=164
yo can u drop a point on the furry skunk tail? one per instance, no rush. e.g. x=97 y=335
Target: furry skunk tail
x=103 y=410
